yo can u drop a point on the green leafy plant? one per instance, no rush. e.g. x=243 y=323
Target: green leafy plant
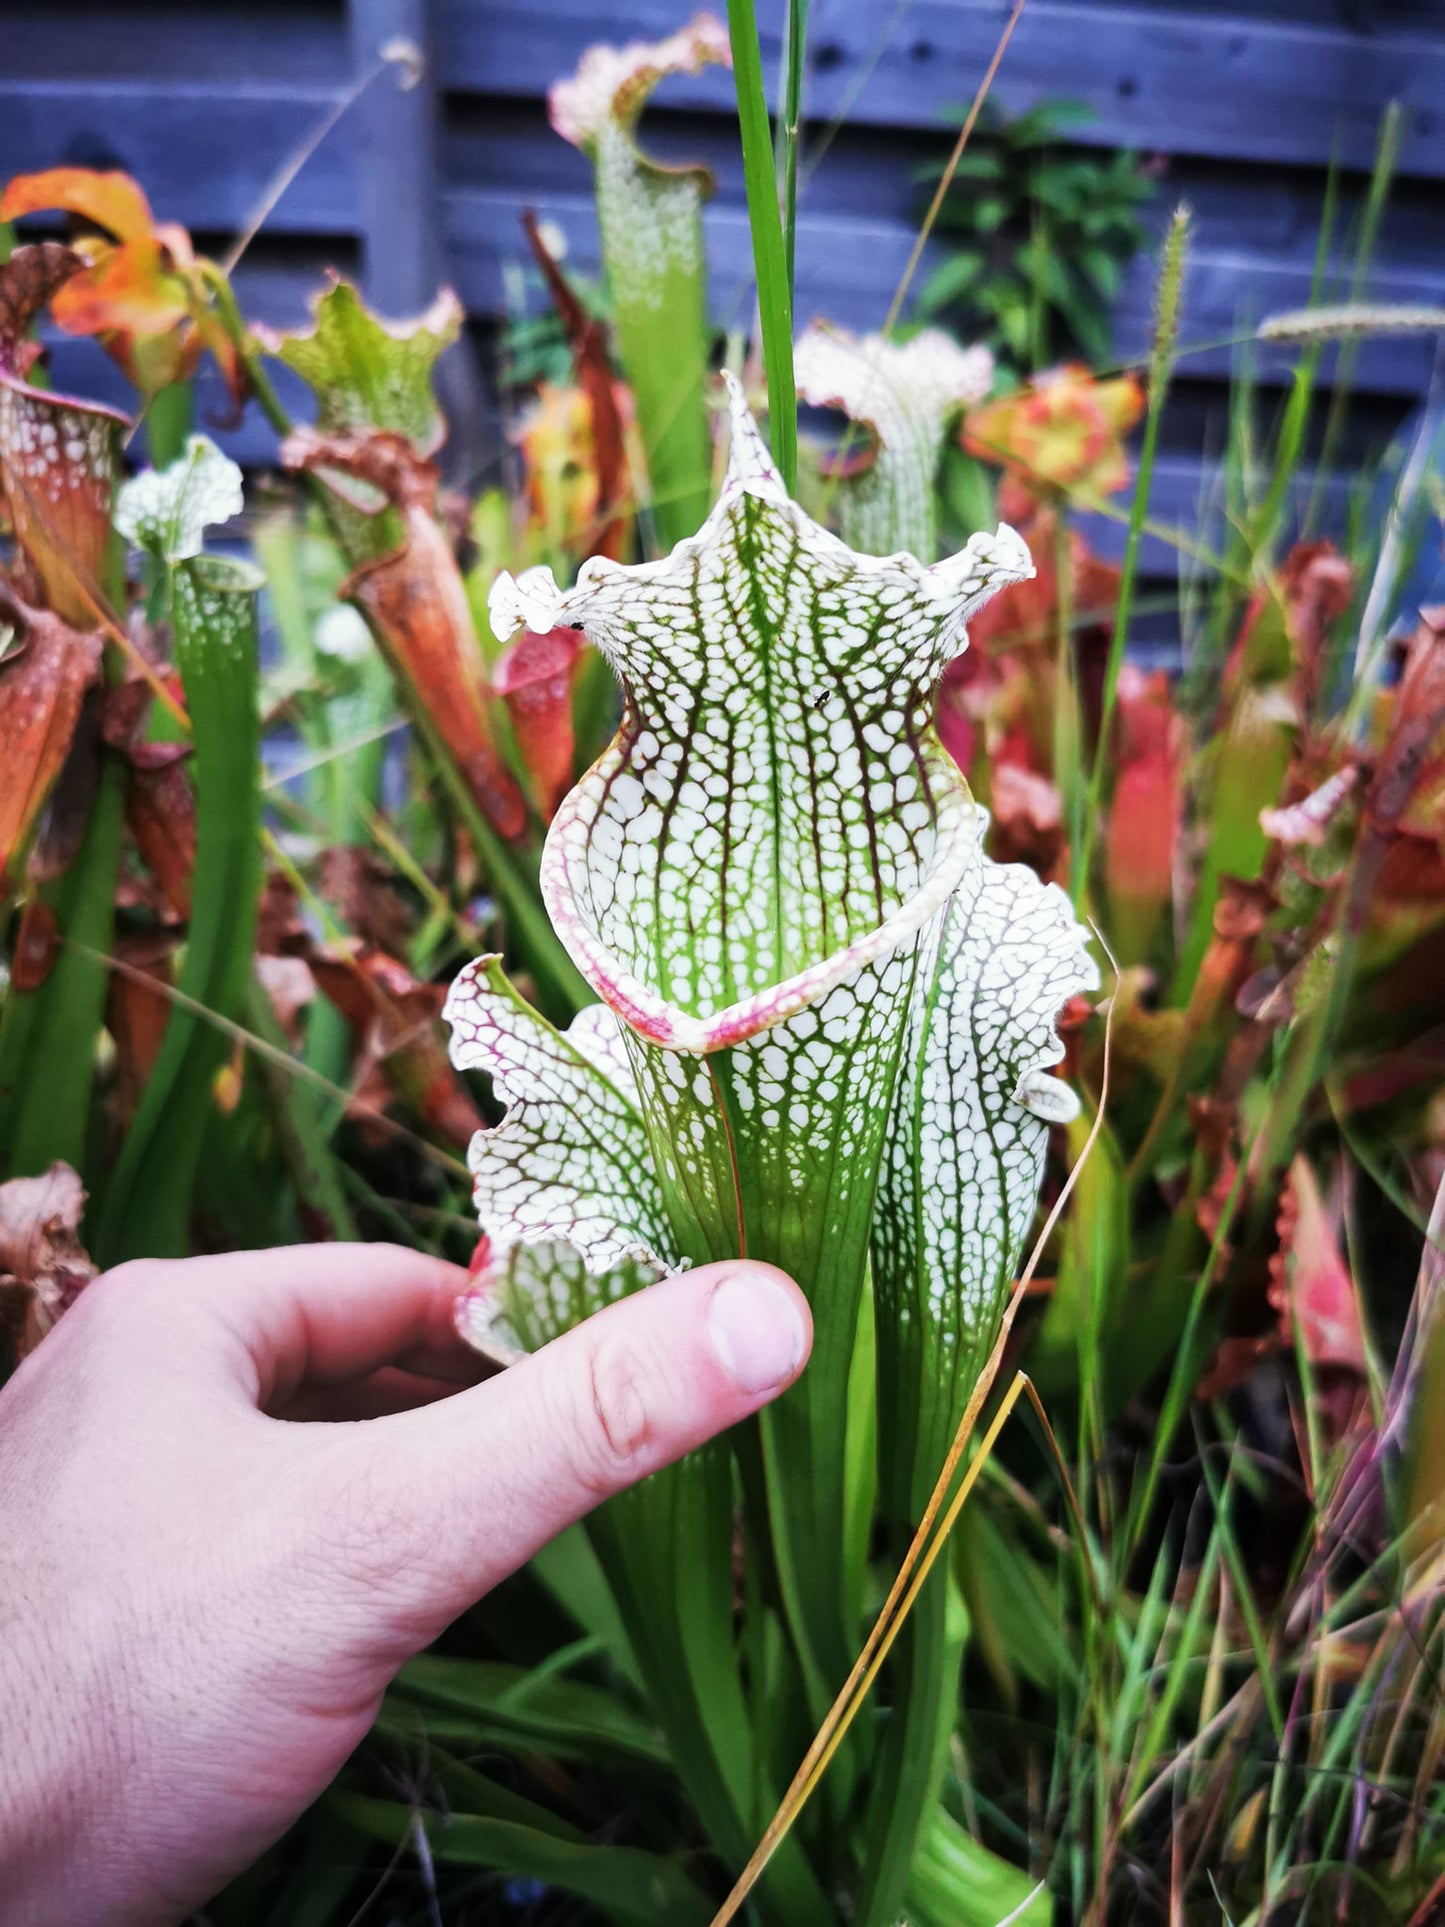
x=1038 y=232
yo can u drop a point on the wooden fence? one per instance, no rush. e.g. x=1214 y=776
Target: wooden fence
x=420 y=179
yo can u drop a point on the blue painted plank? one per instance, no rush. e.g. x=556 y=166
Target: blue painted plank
x=1186 y=500
x=394 y=123
x=1227 y=294
x=872 y=173
x=1364 y=16
x=83 y=368
x=225 y=41
x=205 y=154
x=1256 y=232
x=1190 y=83
x=848 y=266
x=847 y=270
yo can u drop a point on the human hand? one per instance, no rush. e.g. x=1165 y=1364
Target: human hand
x=205 y=1589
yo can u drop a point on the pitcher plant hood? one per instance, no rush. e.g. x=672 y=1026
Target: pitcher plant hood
x=775 y=812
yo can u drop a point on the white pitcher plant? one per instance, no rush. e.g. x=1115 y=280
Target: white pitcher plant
x=825 y=1039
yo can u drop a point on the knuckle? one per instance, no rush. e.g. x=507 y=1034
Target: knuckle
x=136 y=1276
x=135 y=1290
x=616 y=1423
x=147 y=1308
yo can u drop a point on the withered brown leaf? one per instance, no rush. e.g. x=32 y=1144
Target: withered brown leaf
x=43 y=1265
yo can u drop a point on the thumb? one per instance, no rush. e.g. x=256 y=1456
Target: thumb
x=482 y=1480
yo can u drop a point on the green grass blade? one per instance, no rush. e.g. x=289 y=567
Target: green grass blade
x=633 y=1888
x=302 y=1117
x=1382 y=177
x=770 y=255
x=786 y=136
x=571 y=1572
x=518 y=1709
x=1289 y=448
x=1221 y=1496
x=1150 y=1746
x=169 y=418
x=957 y=1882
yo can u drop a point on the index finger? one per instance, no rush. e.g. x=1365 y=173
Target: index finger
x=325 y=1314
